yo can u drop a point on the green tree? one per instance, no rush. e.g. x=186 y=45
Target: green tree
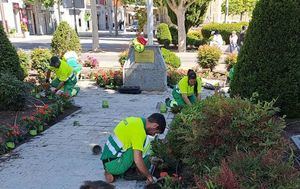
x=9 y=60
x=65 y=39
x=269 y=61
x=239 y=7
x=194 y=14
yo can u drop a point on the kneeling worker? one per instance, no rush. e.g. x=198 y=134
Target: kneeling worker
x=187 y=91
x=125 y=147
x=65 y=77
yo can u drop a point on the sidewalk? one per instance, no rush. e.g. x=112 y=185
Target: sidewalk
x=61 y=157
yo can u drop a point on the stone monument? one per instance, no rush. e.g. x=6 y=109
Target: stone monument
x=146 y=69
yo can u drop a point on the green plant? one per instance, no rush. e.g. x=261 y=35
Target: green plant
x=24 y=61
x=141 y=16
x=65 y=39
x=123 y=57
x=12 y=92
x=12 y=31
x=174 y=34
x=208 y=56
x=31 y=122
x=224 y=29
x=174 y=76
x=40 y=59
x=231 y=60
x=269 y=62
x=194 y=38
x=171 y=59
x=9 y=60
x=164 y=35
x=91 y=62
x=110 y=79
x=13 y=132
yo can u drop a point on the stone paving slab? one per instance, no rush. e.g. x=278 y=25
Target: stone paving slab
x=61 y=157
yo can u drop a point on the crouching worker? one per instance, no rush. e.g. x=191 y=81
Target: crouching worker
x=187 y=91
x=65 y=77
x=72 y=59
x=126 y=147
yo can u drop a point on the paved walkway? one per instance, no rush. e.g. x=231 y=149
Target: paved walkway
x=61 y=158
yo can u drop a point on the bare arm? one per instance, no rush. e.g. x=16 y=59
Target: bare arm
x=186 y=99
x=48 y=74
x=198 y=97
x=138 y=160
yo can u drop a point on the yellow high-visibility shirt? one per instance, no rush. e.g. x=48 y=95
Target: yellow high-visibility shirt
x=185 y=88
x=63 y=72
x=131 y=132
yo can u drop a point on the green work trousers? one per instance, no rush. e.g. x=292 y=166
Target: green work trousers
x=178 y=97
x=69 y=87
x=119 y=165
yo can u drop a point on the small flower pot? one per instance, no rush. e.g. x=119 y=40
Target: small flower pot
x=163 y=108
x=41 y=128
x=10 y=145
x=105 y=104
x=96 y=149
x=33 y=132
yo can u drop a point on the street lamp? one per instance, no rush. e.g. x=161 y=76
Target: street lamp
x=150 y=21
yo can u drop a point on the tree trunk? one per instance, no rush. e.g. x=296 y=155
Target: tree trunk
x=110 y=18
x=241 y=16
x=181 y=30
x=95 y=45
x=59 y=13
x=116 y=17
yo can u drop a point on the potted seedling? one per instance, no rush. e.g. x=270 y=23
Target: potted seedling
x=12 y=134
x=105 y=104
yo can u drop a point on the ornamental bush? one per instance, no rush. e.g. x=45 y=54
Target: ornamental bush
x=269 y=61
x=224 y=29
x=194 y=38
x=171 y=59
x=9 y=60
x=12 y=92
x=231 y=60
x=230 y=143
x=174 y=34
x=164 y=35
x=24 y=59
x=65 y=39
x=123 y=57
x=208 y=56
x=40 y=59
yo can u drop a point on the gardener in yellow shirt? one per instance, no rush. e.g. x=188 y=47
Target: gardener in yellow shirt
x=187 y=90
x=65 y=77
x=127 y=146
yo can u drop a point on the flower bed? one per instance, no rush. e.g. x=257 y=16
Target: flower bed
x=17 y=127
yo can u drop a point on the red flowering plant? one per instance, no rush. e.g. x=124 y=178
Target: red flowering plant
x=91 y=62
x=43 y=113
x=13 y=133
x=109 y=79
x=31 y=122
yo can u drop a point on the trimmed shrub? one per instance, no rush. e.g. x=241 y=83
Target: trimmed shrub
x=65 y=39
x=208 y=56
x=12 y=92
x=231 y=60
x=224 y=29
x=24 y=59
x=40 y=59
x=174 y=34
x=123 y=57
x=164 y=35
x=229 y=140
x=171 y=59
x=9 y=60
x=269 y=61
x=194 y=38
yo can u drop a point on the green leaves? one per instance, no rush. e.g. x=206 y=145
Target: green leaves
x=208 y=56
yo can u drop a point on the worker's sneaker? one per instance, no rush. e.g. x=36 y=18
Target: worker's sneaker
x=133 y=174
x=109 y=177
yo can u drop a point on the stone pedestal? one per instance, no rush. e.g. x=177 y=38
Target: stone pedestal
x=146 y=69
